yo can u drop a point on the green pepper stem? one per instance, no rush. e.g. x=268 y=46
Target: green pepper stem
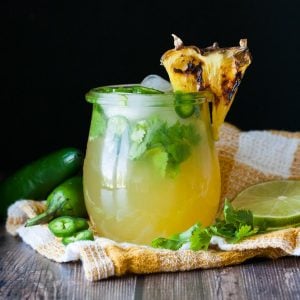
x=47 y=215
x=40 y=219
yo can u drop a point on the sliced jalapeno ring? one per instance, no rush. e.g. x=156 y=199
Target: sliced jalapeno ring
x=79 y=236
x=184 y=104
x=81 y=224
x=63 y=226
x=185 y=110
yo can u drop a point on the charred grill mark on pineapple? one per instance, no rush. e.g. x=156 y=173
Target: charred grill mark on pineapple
x=195 y=70
x=176 y=70
x=229 y=87
x=190 y=69
x=242 y=58
x=199 y=79
x=238 y=79
x=196 y=49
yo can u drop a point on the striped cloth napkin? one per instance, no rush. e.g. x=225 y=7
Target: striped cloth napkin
x=246 y=158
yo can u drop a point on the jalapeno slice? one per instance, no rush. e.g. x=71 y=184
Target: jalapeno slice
x=79 y=236
x=63 y=226
x=81 y=224
x=184 y=104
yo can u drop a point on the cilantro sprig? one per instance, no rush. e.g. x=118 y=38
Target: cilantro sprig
x=235 y=226
x=167 y=146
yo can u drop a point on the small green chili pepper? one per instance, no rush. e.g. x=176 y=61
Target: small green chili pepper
x=79 y=236
x=63 y=226
x=65 y=200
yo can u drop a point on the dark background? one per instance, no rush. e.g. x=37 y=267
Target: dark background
x=53 y=52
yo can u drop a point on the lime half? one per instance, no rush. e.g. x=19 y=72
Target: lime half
x=273 y=203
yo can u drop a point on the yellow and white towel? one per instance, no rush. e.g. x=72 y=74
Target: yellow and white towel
x=246 y=158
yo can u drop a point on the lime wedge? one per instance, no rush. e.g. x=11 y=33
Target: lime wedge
x=273 y=203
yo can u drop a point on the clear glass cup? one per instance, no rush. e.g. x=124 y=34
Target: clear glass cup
x=151 y=168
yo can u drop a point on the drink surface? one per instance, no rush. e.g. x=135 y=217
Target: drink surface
x=149 y=172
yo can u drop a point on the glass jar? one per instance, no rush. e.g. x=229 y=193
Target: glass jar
x=151 y=169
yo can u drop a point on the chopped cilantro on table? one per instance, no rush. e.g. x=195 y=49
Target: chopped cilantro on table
x=167 y=146
x=236 y=225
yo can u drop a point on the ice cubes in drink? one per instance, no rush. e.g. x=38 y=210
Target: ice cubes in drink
x=157 y=82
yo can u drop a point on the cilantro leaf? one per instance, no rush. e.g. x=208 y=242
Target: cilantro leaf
x=200 y=239
x=175 y=143
x=184 y=132
x=176 y=240
x=237 y=224
x=137 y=150
x=172 y=169
x=141 y=136
x=190 y=134
x=244 y=231
x=223 y=229
x=179 y=151
x=98 y=124
x=167 y=243
x=159 y=159
x=185 y=236
x=234 y=216
x=161 y=136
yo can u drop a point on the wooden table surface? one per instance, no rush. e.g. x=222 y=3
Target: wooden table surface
x=25 y=274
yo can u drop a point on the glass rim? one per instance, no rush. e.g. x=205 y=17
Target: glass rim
x=164 y=99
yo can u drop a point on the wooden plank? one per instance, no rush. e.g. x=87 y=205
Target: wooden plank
x=25 y=274
x=179 y=285
x=272 y=279
x=258 y=279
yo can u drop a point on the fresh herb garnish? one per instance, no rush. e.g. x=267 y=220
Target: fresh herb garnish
x=167 y=146
x=98 y=124
x=200 y=238
x=236 y=225
x=167 y=243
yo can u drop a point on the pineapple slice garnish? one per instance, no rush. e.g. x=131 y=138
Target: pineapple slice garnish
x=218 y=70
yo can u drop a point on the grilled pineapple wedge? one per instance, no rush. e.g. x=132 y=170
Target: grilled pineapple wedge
x=218 y=70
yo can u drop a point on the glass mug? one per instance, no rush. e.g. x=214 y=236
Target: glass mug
x=151 y=168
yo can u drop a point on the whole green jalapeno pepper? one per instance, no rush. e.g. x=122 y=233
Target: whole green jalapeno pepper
x=65 y=200
x=37 y=179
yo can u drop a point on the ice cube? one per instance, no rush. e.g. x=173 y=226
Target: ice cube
x=157 y=82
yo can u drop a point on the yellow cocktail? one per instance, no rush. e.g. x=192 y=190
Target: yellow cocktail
x=151 y=168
